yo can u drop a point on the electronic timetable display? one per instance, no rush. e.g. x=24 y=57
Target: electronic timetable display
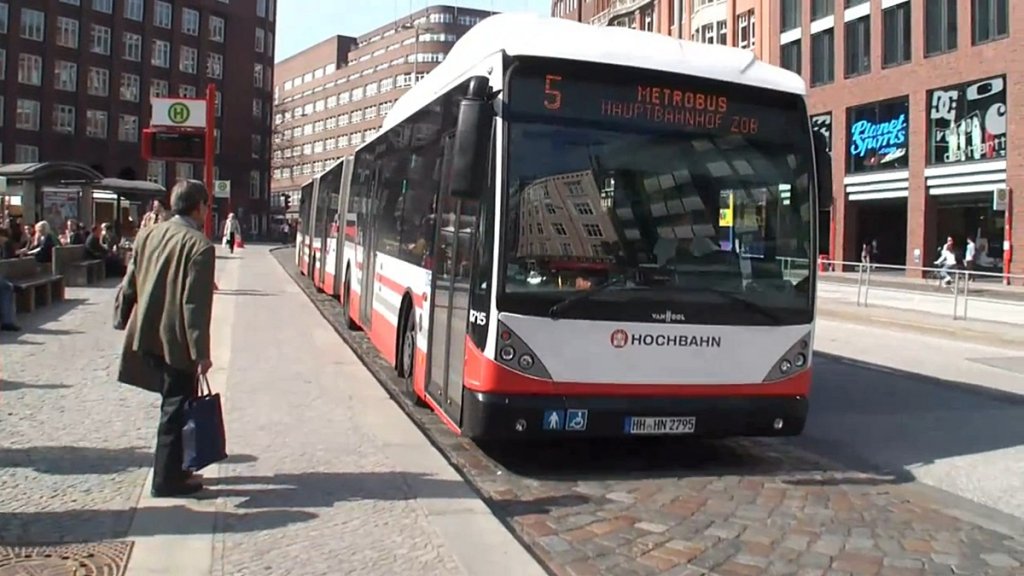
x=640 y=99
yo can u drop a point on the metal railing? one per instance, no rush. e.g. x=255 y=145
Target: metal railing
x=876 y=284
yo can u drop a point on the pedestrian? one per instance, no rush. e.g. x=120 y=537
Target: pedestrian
x=8 y=311
x=232 y=231
x=165 y=304
x=969 y=253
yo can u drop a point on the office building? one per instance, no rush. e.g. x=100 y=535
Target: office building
x=919 y=108
x=76 y=77
x=333 y=96
x=729 y=22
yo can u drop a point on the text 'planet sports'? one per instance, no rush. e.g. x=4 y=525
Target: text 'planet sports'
x=882 y=137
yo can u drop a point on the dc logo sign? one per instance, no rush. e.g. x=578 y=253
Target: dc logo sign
x=619 y=338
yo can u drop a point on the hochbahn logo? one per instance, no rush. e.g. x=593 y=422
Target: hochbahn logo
x=620 y=339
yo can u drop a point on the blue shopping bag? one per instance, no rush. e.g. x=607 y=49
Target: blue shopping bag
x=205 y=439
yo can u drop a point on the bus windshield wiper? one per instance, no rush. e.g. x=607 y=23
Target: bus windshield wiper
x=586 y=294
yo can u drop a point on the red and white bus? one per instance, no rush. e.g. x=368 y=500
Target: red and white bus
x=577 y=230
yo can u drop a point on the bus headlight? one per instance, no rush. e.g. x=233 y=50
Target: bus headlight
x=507 y=353
x=526 y=361
x=800 y=360
x=785 y=366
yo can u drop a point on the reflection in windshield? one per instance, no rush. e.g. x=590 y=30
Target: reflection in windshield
x=690 y=220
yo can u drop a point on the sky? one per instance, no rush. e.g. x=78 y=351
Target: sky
x=302 y=23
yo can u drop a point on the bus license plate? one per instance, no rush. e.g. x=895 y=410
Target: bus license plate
x=661 y=425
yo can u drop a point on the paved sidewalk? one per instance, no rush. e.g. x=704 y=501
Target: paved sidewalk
x=327 y=475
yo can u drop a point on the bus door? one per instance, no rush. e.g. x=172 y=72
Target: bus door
x=368 y=279
x=450 y=314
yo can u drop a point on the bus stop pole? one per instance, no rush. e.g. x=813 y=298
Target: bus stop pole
x=210 y=136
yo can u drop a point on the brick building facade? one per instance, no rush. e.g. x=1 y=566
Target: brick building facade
x=76 y=77
x=333 y=96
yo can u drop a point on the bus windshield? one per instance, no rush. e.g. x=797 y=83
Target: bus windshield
x=656 y=199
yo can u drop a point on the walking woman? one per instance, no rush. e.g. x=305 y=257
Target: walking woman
x=232 y=232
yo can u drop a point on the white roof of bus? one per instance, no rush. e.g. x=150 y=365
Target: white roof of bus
x=534 y=35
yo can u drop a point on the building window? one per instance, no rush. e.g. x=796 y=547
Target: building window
x=877 y=136
x=790 y=56
x=822 y=8
x=257 y=76
x=851 y=3
x=155 y=171
x=183 y=170
x=99 y=82
x=24 y=154
x=858 y=46
x=896 y=35
x=159 y=88
x=33 y=24
x=5 y=16
x=163 y=14
x=132 y=47
x=134 y=10
x=65 y=76
x=823 y=57
x=261 y=8
x=100 y=40
x=214 y=65
x=3 y=66
x=254 y=184
x=991 y=20
x=257 y=108
x=67 y=32
x=940 y=26
x=189 y=60
x=216 y=28
x=131 y=87
x=186 y=91
x=791 y=14
x=27 y=116
x=105 y=6
x=261 y=40
x=128 y=128
x=161 y=54
x=190 y=21
x=96 y=123
x=30 y=69
x=968 y=122
x=64 y=119
x=746 y=30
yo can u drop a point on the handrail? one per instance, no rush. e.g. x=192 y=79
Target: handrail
x=1000 y=303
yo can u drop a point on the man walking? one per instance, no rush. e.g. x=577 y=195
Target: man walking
x=165 y=304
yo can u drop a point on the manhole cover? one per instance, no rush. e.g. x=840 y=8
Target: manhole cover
x=93 y=559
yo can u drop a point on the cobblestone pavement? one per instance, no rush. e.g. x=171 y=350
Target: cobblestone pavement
x=343 y=506
x=75 y=445
x=742 y=507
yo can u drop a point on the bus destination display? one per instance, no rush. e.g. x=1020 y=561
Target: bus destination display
x=647 y=104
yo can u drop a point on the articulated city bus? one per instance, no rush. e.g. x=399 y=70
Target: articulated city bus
x=570 y=230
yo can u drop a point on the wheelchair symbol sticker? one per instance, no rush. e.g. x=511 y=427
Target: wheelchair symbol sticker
x=576 y=420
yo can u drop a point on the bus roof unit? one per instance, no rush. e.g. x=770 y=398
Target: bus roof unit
x=533 y=35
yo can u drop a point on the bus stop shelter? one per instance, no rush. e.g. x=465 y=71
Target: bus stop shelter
x=116 y=193
x=46 y=190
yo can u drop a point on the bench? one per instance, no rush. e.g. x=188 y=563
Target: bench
x=75 y=265
x=34 y=285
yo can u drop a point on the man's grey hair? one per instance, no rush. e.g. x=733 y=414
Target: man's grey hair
x=187 y=196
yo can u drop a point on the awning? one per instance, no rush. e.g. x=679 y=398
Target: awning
x=52 y=172
x=132 y=190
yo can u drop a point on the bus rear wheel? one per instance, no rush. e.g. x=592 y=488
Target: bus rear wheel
x=407 y=358
x=346 y=302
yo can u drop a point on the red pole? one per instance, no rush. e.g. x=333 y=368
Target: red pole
x=211 y=142
x=1008 y=237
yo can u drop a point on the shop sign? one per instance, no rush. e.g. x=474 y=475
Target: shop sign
x=967 y=122
x=822 y=123
x=877 y=136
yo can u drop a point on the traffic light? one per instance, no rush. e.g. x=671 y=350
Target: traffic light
x=286 y=199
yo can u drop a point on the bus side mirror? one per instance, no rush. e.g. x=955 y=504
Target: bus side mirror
x=469 y=170
x=823 y=171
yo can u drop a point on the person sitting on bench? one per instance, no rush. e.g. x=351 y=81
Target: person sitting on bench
x=95 y=249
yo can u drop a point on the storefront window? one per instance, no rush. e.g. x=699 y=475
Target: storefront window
x=877 y=136
x=967 y=122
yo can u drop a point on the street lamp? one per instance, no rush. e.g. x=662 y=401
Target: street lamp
x=416 y=46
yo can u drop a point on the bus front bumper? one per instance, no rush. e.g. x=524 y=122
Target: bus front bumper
x=490 y=416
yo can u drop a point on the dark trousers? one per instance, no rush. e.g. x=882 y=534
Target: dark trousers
x=177 y=388
x=231 y=242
